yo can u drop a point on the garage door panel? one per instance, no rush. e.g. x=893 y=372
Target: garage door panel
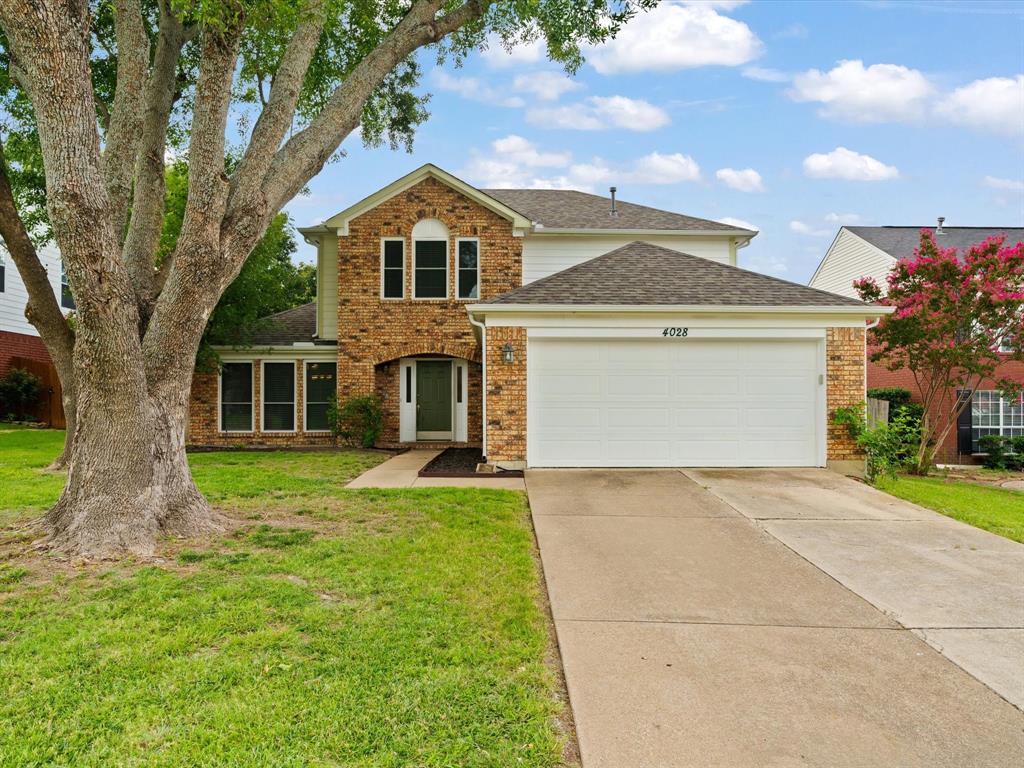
x=673 y=402
x=638 y=385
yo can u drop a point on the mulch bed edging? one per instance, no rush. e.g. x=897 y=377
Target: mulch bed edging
x=461 y=462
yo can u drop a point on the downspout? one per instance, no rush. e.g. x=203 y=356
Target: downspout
x=483 y=378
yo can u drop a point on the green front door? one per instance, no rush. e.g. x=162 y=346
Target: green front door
x=434 y=399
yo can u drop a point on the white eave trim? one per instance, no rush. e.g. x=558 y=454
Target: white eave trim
x=790 y=309
x=738 y=234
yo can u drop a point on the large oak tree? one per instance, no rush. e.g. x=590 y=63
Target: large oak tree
x=107 y=85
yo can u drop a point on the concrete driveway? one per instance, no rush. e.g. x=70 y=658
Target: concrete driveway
x=755 y=618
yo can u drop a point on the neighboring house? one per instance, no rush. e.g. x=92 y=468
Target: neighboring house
x=860 y=252
x=18 y=338
x=551 y=328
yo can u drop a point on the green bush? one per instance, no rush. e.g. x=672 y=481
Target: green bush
x=1002 y=452
x=896 y=396
x=888 y=448
x=20 y=392
x=357 y=421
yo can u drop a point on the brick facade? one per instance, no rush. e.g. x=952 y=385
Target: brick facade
x=844 y=374
x=203 y=418
x=948 y=452
x=506 y=395
x=372 y=330
x=13 y=345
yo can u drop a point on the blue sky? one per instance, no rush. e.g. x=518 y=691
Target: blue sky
x=793 y=117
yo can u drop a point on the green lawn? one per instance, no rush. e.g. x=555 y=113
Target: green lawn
x=992 y=509
x=328 y=628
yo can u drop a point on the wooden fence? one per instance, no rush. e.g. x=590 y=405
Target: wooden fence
x=51 y=404
x=877 y=412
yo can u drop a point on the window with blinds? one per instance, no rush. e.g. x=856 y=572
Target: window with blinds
x=236 y=397
x=319 y=389
x=278 y=388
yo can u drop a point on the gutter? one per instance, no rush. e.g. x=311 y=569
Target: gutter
x=864 y=310
x=483 y=378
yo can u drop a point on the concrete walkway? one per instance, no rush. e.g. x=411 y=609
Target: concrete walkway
x=402 y=471
x=691 y=636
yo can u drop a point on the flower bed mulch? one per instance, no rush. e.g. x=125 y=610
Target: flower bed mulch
x=461 y=462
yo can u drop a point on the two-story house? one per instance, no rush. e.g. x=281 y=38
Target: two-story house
x=858 y=252
x=551 y=328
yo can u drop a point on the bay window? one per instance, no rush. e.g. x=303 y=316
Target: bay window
x=278 y=388
x=236 y=397
x=319 y=389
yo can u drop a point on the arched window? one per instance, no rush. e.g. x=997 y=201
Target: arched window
x=430 y=260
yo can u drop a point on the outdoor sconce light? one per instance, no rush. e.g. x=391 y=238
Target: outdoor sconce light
x=508 y=353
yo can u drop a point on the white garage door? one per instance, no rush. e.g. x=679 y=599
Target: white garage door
x=673 y=402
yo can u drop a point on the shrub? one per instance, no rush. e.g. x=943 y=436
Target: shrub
x=895 y=396
x=888 y=448
x=357 y=421
x=20 y=392
x=1002 y=452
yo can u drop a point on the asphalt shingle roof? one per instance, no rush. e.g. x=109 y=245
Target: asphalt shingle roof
x=644 y=274
x=570 y=209
x=288 y=327
x=900 y=242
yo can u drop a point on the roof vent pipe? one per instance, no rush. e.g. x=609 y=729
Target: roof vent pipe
x=615 y=211
x=938 y=230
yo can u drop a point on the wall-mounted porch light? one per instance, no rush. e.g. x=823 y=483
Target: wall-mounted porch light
x=508 y=354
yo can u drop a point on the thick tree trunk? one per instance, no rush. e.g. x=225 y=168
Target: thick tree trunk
x=68 y=400
x=129 y=482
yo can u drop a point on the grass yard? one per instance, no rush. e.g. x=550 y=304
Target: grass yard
x=327 y=628
x=993 y=509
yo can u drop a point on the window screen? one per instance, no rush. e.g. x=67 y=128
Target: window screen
x=469 y=265
x=392 y=285
x=320 y=378
x=278 y=397
x=236 y=397
x=431 y=269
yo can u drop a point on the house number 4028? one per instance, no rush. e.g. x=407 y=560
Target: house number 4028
x=676 y=332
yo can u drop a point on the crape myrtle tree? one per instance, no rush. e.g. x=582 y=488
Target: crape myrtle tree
x=108 y=85
x=953 y=316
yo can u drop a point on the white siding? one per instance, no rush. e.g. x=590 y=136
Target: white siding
x=851 y=258
x=544 y=255
x=327 y=287
x=14 y=297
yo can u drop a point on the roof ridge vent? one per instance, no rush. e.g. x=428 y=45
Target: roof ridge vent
x=938 y=229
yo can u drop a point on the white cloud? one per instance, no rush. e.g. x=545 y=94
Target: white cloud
x=1013 y=185
x=994 y=105
x=746 y=180
x=546 y=86
x=765 y=263
x=796 y=31
x=474 y=89
x=874 y=94
x=765 y=74
x=601 y=113
x=801 y=228
x=522 y=53
x=842 y=218
x=741 y=223
x=672 y=37
x=514 y=161
x=842 y=163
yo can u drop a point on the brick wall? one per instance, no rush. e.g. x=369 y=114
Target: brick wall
x=203 y=417
x=844 y=358
x=880 y=376
x=372 y=330
x=20 y=345
x=506 y=396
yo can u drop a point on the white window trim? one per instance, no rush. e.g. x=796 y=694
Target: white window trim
x=305 y=394
x=447 y=268
x=252 y=400
x=382 y=241
x=263 y=398
x=458 y=269
x=1003 y=428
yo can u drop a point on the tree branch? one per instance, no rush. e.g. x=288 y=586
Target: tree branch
x=147 y=214
x=305 y=153
x=279 y=111
x=125 y=117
